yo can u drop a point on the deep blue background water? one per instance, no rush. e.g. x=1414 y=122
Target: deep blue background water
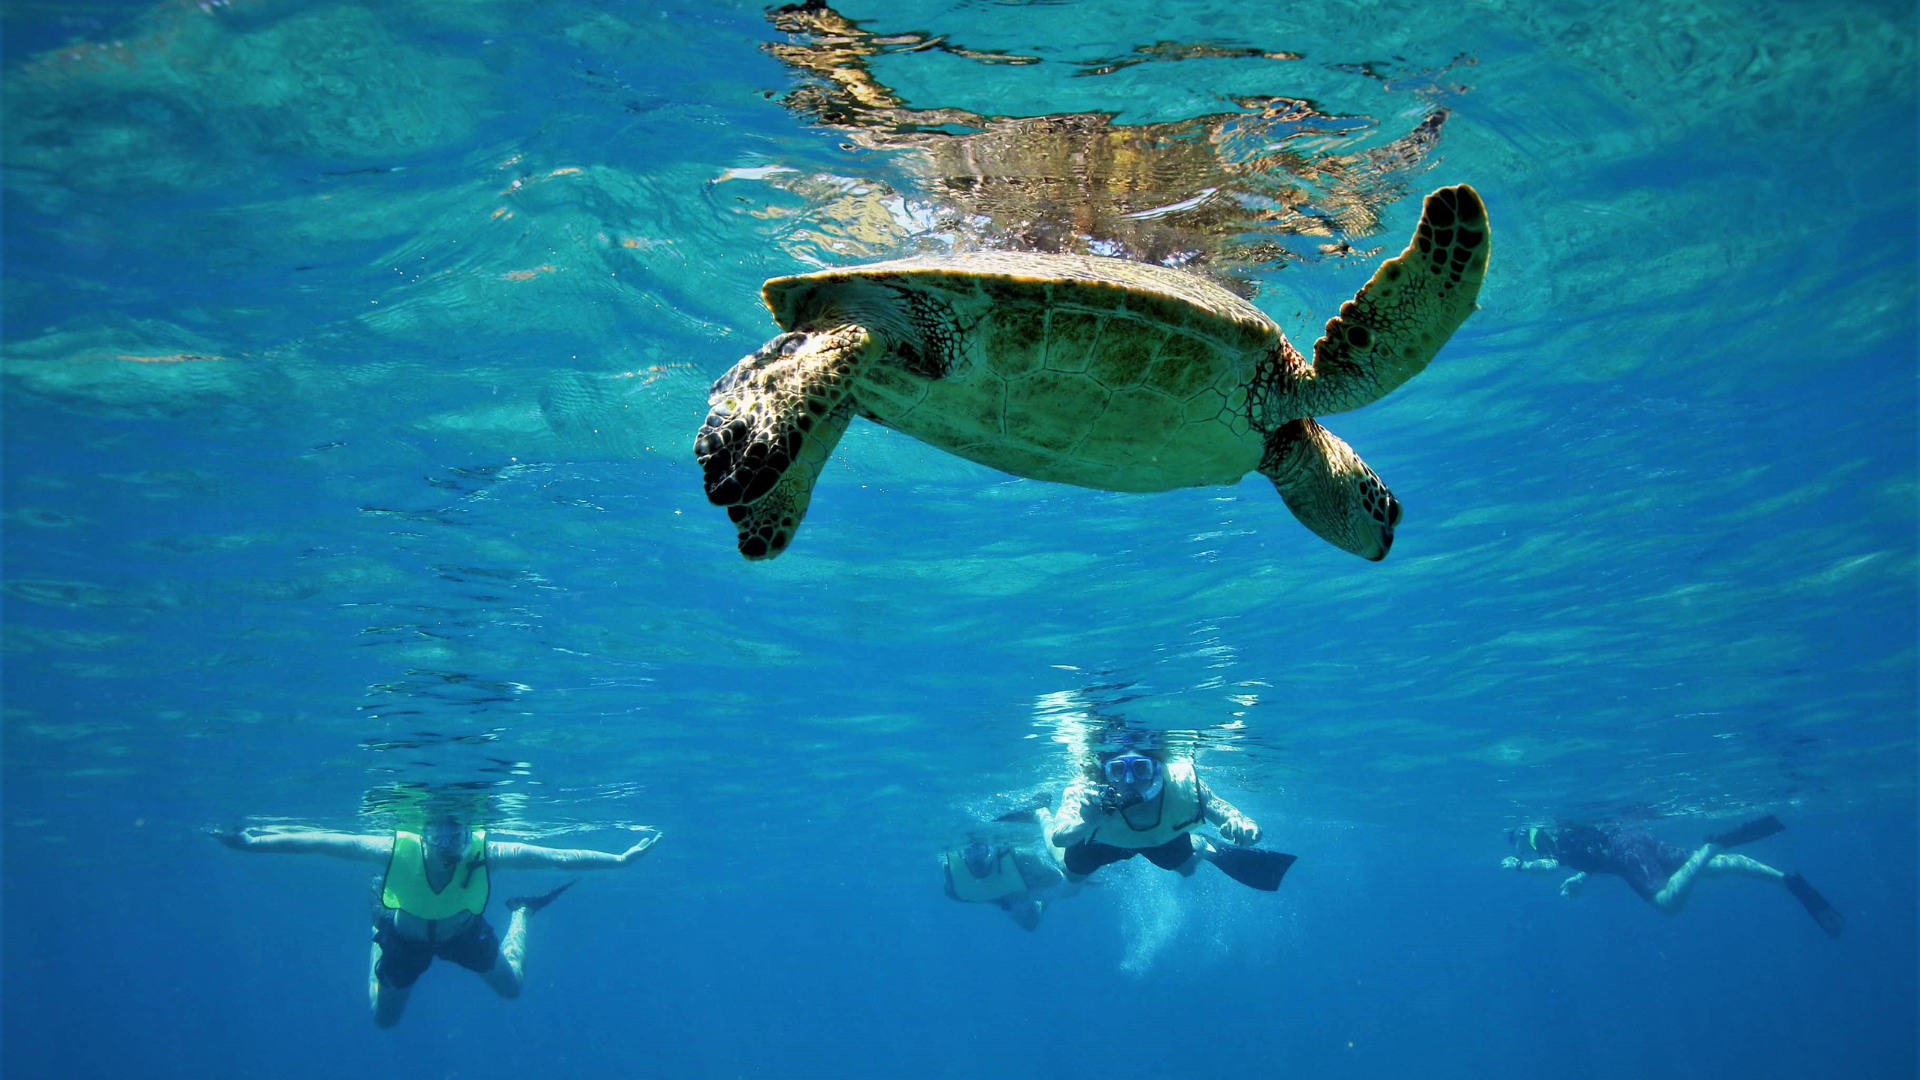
x=352 y=358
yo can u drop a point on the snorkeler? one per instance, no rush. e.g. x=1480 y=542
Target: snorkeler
x=1011 y=865
x=432 y=897
x=1142 y=800
x=1661 y=873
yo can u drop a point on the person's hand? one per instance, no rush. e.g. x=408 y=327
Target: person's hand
x=1092 y=807
x=639 y=849
x=1572 y=885
x=1085 y=812
x=237 y=839
x=1509 y=863
x=1241 y=830
x=1069 y=835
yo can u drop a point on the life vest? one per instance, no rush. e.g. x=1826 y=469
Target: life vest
x=1181 y=809
x=407 y=889
x=1004 y=878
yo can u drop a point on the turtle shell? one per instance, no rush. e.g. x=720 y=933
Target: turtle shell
x=1081 y=370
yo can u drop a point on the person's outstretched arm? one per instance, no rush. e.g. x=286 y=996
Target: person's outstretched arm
x=1237 y=827
x=1537 y=866
x=1571 y=886
x=1074 y=822
x=507 y=855
x=338 y=845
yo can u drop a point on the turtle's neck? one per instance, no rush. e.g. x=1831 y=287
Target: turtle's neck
x=1277 y=389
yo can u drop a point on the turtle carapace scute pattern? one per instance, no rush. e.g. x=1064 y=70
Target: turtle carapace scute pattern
x=1098 y=372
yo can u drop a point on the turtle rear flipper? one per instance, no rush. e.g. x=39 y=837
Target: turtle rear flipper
x=1398 y=321
x=773 y=421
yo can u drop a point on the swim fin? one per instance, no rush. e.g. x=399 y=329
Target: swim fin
x=1036 y=802
x=1251 y=867
x=1757 y=829
x=535 y=903
x=1816 y=905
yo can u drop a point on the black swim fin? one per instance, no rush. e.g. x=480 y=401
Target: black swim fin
x=1757 y=829
x=1036 y=802
x=1252 y=867
x=1816 y=905
x=535 y=903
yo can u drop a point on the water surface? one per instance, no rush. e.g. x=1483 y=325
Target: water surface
x=352 y=358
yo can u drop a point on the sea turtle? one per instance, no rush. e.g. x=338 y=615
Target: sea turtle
x=1098 y=372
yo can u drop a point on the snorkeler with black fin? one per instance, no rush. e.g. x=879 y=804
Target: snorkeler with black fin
x=432 y=897
x=1137 y=798
x=1662 y=874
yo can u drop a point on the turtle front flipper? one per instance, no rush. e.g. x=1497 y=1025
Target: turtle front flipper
x=1398 y=321
x=1330 y=489
x=773 y=421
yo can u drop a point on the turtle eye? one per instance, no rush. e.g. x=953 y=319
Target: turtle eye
x=1393 y=511
x=792 y=344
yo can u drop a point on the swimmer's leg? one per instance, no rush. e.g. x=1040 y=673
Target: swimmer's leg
x=508 y=972
x=1816 y=905
x=387 y=1002
x=1704 y=861
x=1741 y=866
x=1674 y=896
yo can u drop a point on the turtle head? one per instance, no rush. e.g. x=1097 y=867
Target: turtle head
x=1330 y=489
x=779 y=347
x=806 y=347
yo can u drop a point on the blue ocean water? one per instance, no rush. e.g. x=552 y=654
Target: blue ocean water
x=353 y=355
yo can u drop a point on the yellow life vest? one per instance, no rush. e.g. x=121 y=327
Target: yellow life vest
x=1004 y=880
x=408 y=890
x=1180 y=811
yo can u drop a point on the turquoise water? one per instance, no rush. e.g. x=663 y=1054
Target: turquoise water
x=353 y=357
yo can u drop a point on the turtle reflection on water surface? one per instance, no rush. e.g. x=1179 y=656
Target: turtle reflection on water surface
x=1221 y=191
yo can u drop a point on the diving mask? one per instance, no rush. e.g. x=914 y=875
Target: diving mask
x=1133 y=770
x=1131 y=780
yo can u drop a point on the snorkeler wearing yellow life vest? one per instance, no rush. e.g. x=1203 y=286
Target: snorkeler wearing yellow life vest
x=1010 y=864
x=1142 y=800
x=433 y=898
